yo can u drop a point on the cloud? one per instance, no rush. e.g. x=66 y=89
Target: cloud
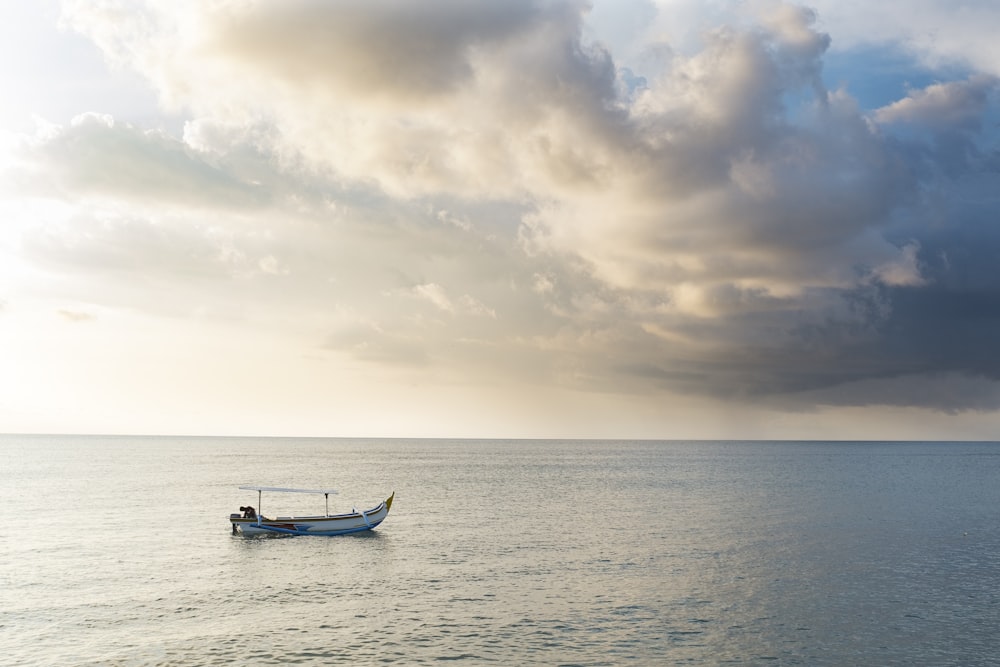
x=418 y=99
x=954 y=104
x=903 y=271
x=482 y=190
x=75 y=316
x=937 y=33
x=420 y=52
x=435 y=294
x=96 y=157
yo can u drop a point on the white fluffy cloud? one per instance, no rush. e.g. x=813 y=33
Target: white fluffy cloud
x=955 y=104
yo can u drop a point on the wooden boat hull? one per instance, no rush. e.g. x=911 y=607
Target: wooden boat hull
x=335 y=524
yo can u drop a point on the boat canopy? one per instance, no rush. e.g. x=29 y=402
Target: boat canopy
x=279 y=489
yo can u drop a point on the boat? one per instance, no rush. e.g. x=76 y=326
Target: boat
x=251 y=521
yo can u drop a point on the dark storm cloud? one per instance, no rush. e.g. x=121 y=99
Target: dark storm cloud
x=929 y=344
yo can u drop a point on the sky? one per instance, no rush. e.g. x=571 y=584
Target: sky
x=522 y=219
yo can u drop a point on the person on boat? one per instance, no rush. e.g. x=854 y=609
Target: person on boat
x=248 y=512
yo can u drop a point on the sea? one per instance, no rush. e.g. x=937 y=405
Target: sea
x=118 y=551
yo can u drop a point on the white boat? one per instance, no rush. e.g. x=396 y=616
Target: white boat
x=251 y=521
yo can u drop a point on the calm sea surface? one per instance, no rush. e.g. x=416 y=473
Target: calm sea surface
x=117 y=551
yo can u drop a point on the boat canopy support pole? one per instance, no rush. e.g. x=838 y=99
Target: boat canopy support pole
x=260 y=506
x=327 y=496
